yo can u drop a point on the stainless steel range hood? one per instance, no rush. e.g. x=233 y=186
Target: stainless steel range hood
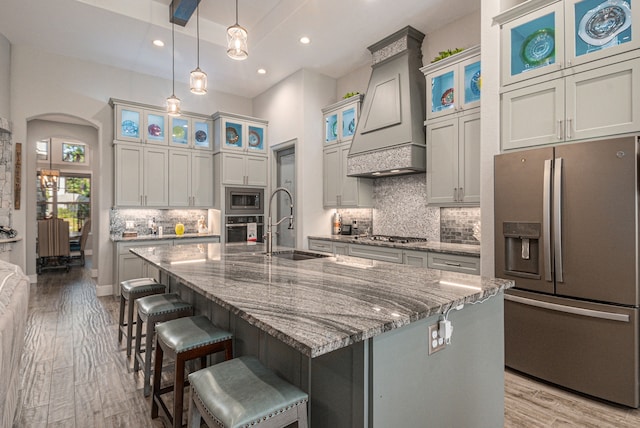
x=390 y=135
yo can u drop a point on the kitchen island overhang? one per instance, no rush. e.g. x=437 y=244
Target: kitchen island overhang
x=336 y=312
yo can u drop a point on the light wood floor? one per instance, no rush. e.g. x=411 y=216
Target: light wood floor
x=75 y=374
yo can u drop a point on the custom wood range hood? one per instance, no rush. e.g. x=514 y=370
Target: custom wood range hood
x=390 y=135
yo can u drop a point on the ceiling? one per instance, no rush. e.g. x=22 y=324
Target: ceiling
x=119 y=33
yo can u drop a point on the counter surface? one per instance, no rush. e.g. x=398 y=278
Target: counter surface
x=432 y=246
x=322 y=304
x=165 y=236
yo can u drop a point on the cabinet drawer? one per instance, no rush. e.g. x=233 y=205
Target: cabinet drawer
x=186 y=241
x=376 y=253
x=416 y=258
x=123 y=248
x=322 y=246
x=454 y=263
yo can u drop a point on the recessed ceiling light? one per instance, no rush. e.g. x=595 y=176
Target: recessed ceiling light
x=305 y=40
x=158 y=43
x=262 y=71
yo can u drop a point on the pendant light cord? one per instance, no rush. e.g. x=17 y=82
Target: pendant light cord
x=236 y=12
x=173 y=54
x=198 y=33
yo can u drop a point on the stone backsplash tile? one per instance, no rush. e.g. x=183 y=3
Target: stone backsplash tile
x=460 y=225
x=363 y=216
x=165 y=218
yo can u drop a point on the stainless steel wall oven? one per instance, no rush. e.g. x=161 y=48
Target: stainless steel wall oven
x=241 y=229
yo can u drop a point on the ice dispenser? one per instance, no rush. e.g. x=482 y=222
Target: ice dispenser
x=522 y=243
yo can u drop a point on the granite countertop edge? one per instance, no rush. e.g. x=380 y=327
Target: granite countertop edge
x=431 y=246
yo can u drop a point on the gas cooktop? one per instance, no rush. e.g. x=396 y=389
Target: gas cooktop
x=398 y=239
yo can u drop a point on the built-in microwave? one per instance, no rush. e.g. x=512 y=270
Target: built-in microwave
x=243 y=200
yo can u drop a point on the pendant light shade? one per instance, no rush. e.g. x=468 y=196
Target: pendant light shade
x=173 y=102
x=237 y=40
x=198 y=78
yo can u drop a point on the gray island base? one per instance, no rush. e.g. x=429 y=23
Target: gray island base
x=353 y=333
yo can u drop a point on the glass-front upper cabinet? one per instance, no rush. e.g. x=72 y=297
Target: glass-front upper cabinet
x=180 y=127
x=340 y=120
x=563 y=34
x=453 y=83
x=140 y=125
x=201 y=133
x=240 y=133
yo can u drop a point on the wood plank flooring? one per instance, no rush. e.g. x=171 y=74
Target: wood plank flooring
x=76 y=374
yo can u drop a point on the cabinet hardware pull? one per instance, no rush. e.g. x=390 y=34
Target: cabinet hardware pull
x=461 y=194
x=559 y=130
x=452 y=264
x=569 y=124
x=455 y=194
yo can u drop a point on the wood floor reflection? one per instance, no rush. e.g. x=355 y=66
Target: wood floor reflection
x=76 y=374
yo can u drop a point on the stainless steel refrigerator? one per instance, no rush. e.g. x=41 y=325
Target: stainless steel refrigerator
x=566 y=230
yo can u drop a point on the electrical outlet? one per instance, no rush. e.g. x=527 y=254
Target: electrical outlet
x=436 y=342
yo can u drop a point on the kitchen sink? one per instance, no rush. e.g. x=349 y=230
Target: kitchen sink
x=298 y=255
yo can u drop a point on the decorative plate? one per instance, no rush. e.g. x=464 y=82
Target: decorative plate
x=475 y=83
x=129 y=128
x=352 y=126
x=232 y=136
x=447 y=97
x=201 y=136
x=604 y=22
x=254 y=139
x=178 y=132
x=155 y=130
x=538 y=47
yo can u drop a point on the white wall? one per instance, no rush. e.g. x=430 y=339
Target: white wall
x=43 y=83
x=5 y=77
x=293 y=108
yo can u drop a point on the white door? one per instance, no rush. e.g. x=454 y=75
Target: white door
x=286 y=177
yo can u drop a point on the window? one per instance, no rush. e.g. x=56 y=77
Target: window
x=73 y=153
x=70 y=202
x=42 y=149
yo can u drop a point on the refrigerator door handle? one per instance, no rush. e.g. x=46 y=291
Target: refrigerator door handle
x=592 y=313
x=557 y=218
x=546 y=219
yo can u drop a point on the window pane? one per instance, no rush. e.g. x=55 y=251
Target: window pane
x=73 y=152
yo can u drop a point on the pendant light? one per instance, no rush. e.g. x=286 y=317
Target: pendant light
x=198 y=78
x=49 y=177
x=173 y=102
x=237 y=40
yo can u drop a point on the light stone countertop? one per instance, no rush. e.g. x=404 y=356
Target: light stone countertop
x=433 y=246
x=318 y=305
x=165 y=236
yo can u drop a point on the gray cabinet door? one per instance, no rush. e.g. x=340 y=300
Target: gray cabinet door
x=128 y=175
x=442 y=161
x=331 y=176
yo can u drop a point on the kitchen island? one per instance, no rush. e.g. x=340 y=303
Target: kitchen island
x=353 y=332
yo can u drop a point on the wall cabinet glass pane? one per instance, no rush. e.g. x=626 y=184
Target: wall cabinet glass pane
x=180 y=131
x=130 y=123
x=256 y=138
x=331 y=128
x=233 y=135
x=601 y=25
x=155 y=127
x=349 y=122
x=202 y=134
x=472 y=82
x=533 y=44
x=442 y=92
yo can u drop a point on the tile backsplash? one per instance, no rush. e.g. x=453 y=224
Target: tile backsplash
x=460 y=225
x=165 y=218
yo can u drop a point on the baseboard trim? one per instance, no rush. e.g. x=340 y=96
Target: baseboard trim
x=104 y=290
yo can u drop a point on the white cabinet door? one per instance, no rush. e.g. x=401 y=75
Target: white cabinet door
x=533 y=115
x=469 y=159
x=442 y=161
x=180 y=169
x=156 y=177
x=331 y=176
x=604 y=101
x=130 y=266
x=349 y=186
x=202 y=179
x=256 y=170
x=128 y=175
x=233 y=169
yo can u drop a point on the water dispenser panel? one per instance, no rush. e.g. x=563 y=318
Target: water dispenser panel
x=522 y=249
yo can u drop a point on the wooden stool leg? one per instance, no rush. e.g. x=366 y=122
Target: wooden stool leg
x=130 y=325
x=136 y=363
x=228 y=350
x=121 y=318
x=178 y=392
x=157 y=378
x=148 y=350
x=302 y=416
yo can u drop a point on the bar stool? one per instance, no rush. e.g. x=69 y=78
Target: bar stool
x=130 y=291
x=152 y=310
x=182 y=340
x=241 y=393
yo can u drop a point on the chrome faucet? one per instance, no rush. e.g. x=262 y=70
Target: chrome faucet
x=269 y=235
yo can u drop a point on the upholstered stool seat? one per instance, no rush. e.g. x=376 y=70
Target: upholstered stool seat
x=242 y=393
x=130 y=291
x=152 y=310
x=184 y=339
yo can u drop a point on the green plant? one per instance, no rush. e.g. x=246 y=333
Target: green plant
x=349 y=95
x=447 y=53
